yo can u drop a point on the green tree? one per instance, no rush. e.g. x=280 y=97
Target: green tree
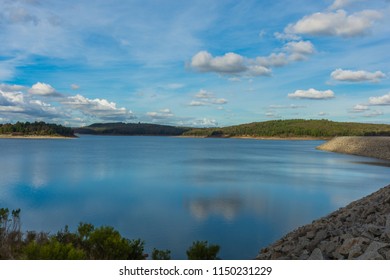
x=200 y=250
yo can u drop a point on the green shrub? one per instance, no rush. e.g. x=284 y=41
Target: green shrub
x=200 y=250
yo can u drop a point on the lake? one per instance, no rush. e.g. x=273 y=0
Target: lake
x=241 y=194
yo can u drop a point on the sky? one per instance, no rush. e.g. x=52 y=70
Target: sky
x=194 y=63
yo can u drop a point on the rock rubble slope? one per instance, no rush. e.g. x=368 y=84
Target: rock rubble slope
x=360 y=230
x=370 y=146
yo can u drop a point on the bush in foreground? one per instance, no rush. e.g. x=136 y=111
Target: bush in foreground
x=86 y=243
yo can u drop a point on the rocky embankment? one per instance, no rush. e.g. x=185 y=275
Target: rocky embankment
x=360 y=230
x=377 y=147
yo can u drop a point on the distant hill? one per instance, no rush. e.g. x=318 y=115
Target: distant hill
x=35 y=129
x=131 y=129
x=279 y=128
x=294 y=128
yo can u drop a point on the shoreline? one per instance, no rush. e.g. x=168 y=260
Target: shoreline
x=358 y=231
x=7 y=136
x=259 y=138
x=368 y=146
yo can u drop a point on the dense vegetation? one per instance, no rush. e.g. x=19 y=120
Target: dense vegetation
x=87 y=243
x=35 y=129
x=295 y=128
x=131 y=129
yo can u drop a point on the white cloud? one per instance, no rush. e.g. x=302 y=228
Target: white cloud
x=100 y=108
x=338 y=4
x=322 y=114
x=197 y=103
x=204 y=94
x=272 y=115
x=359 y=108
x=337 y=23
x=380 y=100
x=373 y=114
x=206 y=122
x=273 y=60
x=161 y=114
x=294 y=51
x=11 y=98
x=207 y=98
x=14 y=101
x=286 y=36
x=219 y=101
x=300 y=47
x=229 y=63
x=291 y=106
x=74 y=86
x=6 y=87
x=299 y=50
x=356 y=76
x=312 y=94
x=42 y=89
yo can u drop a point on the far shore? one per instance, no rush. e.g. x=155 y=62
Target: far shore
x=258 y=137
x=9 y=136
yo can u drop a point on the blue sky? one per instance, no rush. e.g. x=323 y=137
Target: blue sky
x=194 y=63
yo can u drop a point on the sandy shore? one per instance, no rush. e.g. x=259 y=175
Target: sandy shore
x=360 y=230
x=7 y=136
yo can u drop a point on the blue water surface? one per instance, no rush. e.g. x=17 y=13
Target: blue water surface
x=241 y=194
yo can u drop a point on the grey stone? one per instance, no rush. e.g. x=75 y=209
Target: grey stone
x=375 y=230
x=316 y=255
x=345 y=248
x=371 y=253
x=355 y=252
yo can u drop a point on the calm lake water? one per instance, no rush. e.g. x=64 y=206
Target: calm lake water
x=241 y=194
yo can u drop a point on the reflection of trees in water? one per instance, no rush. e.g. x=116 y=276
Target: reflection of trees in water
x=227 y=207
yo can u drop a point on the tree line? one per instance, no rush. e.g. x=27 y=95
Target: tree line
x=132 y=129
x=35 y=129
x=295 y=128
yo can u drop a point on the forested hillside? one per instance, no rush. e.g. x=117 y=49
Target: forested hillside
x=35 y=129
x=131 y=129
x=295 y=128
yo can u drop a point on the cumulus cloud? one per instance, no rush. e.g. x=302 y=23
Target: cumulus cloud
x=205 y=98
x=291 y=106
x=299 y=50
x=312 y=94
x=338 y=4
x=230 y=63
x=100 y=108
x=197 y=103
x=380 y=100
x=293 y=51
x=359 y=108
x=204 y=94
x=235 y=64
x=356 y=76
x=161 y=114
x=205 y=122
x=42 y=89
x=74 y=86
x=337 y=23
x=373 y=114
x=11 y=98
x=14 y=101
